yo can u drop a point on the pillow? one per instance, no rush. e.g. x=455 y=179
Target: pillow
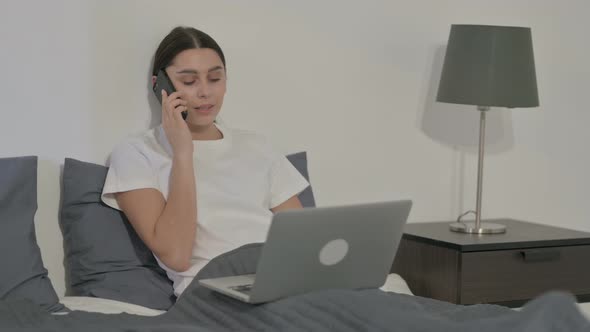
x=23 y=275
x=104 y=257
x=299 y=160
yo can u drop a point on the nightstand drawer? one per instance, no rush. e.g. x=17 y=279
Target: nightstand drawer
x=511 y=275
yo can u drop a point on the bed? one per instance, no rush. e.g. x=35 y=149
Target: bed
x=394 y=283
x=120 y=287
x=339 y=310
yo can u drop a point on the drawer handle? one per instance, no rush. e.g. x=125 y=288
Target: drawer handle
x=540 y=255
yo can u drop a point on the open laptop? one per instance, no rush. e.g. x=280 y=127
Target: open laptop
x=348 y=247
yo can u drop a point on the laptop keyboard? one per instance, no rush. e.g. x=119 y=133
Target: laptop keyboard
x=246 y=288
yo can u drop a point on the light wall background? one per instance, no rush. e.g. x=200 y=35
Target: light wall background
x=351 y=82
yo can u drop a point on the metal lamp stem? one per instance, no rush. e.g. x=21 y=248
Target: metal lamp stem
x=479 y=227
x=482 y=135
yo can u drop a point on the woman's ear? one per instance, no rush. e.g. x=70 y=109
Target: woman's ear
x=153 y=80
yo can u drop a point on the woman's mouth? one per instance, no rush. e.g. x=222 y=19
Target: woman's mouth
x=204 y=109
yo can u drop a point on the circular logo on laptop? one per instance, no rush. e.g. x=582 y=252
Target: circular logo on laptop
x=333 y=252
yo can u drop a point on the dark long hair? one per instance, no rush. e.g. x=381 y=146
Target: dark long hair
x=181 y=39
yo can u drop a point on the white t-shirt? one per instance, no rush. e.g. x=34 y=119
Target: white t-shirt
x=239 y=178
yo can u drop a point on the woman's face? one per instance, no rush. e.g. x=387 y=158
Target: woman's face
x=199 y=75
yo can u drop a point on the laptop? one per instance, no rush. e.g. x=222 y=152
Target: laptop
x=344 y=247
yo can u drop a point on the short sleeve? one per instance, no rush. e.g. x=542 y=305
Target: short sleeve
x=129 y=169
x=285 y=181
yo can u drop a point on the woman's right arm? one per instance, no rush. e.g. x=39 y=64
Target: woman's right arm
x=168 y=227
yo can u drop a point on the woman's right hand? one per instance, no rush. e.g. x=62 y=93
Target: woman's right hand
x=177 y=131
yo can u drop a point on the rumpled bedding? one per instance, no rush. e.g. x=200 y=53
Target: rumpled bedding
x=199 y=309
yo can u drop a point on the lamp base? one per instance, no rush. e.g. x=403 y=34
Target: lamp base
x=485 y=228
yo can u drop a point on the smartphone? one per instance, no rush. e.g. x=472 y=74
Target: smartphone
x=163 y=82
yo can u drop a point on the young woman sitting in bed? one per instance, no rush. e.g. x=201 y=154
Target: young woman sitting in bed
x=193 y=189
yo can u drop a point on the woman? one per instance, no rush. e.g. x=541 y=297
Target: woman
x=193 y=189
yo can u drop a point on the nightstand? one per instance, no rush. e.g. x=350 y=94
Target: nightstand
x=507 y=269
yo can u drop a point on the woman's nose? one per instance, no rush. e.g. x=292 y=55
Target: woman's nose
x=204 y=90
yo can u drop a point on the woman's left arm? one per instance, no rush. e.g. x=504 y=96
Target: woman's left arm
x=291 y=203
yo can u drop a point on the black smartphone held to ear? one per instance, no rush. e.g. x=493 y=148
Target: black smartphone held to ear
x=163 y=82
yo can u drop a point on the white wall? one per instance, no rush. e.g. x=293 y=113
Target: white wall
x=353 y=83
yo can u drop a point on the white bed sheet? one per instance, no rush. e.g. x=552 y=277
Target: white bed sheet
x=585 y=309
x=105 y=306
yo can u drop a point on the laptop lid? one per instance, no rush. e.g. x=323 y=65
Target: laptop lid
x=329 y=247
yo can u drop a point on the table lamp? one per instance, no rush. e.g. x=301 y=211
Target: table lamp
x=487 y=66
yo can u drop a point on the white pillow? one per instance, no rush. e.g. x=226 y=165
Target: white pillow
x=395 y=283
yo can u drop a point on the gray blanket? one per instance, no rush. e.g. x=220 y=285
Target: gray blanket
x=199 y=309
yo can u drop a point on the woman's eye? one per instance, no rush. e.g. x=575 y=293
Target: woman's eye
x=188 y=83
x=215 y=79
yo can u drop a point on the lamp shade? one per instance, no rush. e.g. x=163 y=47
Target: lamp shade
x=489 y=66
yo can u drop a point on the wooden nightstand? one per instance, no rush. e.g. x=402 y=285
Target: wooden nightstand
x=507 y=269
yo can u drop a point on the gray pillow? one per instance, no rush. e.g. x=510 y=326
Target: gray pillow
x=23 y=275
x=299 y=160
x=104 y=257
